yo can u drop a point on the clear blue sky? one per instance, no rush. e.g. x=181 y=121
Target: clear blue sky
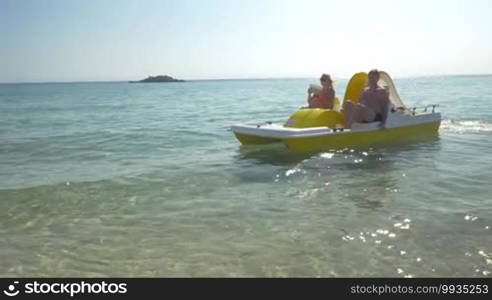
x=69 y=40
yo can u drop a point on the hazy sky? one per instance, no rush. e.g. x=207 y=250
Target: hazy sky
x=66 y=40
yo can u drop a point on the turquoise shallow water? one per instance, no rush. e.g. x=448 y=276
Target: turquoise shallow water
x=118 y=179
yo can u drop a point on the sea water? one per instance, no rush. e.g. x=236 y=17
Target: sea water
x=120 y=179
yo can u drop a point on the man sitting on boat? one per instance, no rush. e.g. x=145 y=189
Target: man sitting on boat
x=323 y=98
x=372 y=106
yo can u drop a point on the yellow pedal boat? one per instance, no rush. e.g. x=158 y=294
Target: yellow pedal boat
x=315 y=130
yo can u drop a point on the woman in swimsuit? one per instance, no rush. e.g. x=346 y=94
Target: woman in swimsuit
x=325 y=97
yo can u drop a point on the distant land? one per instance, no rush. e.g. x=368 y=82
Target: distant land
x=158 y=78
x=235 y=79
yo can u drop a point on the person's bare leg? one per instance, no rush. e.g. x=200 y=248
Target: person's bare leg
x=348 y=112
x=359 y=113
x=362 y=114
x=367 y=114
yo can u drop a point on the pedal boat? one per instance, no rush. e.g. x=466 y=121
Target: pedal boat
x=316 y=130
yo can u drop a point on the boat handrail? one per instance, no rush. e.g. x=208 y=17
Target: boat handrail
x=424 y=108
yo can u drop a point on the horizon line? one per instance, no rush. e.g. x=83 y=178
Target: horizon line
x=237 y=79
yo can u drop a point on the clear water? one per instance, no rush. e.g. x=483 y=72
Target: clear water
x=118 y=179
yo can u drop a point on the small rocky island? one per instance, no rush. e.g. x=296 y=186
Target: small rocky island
x=159 y=78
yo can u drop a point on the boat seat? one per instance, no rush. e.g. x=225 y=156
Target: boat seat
x=315 y=117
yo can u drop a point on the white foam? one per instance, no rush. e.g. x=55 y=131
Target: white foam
x=327 y=155
x=292 y=171
x=466 y=126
